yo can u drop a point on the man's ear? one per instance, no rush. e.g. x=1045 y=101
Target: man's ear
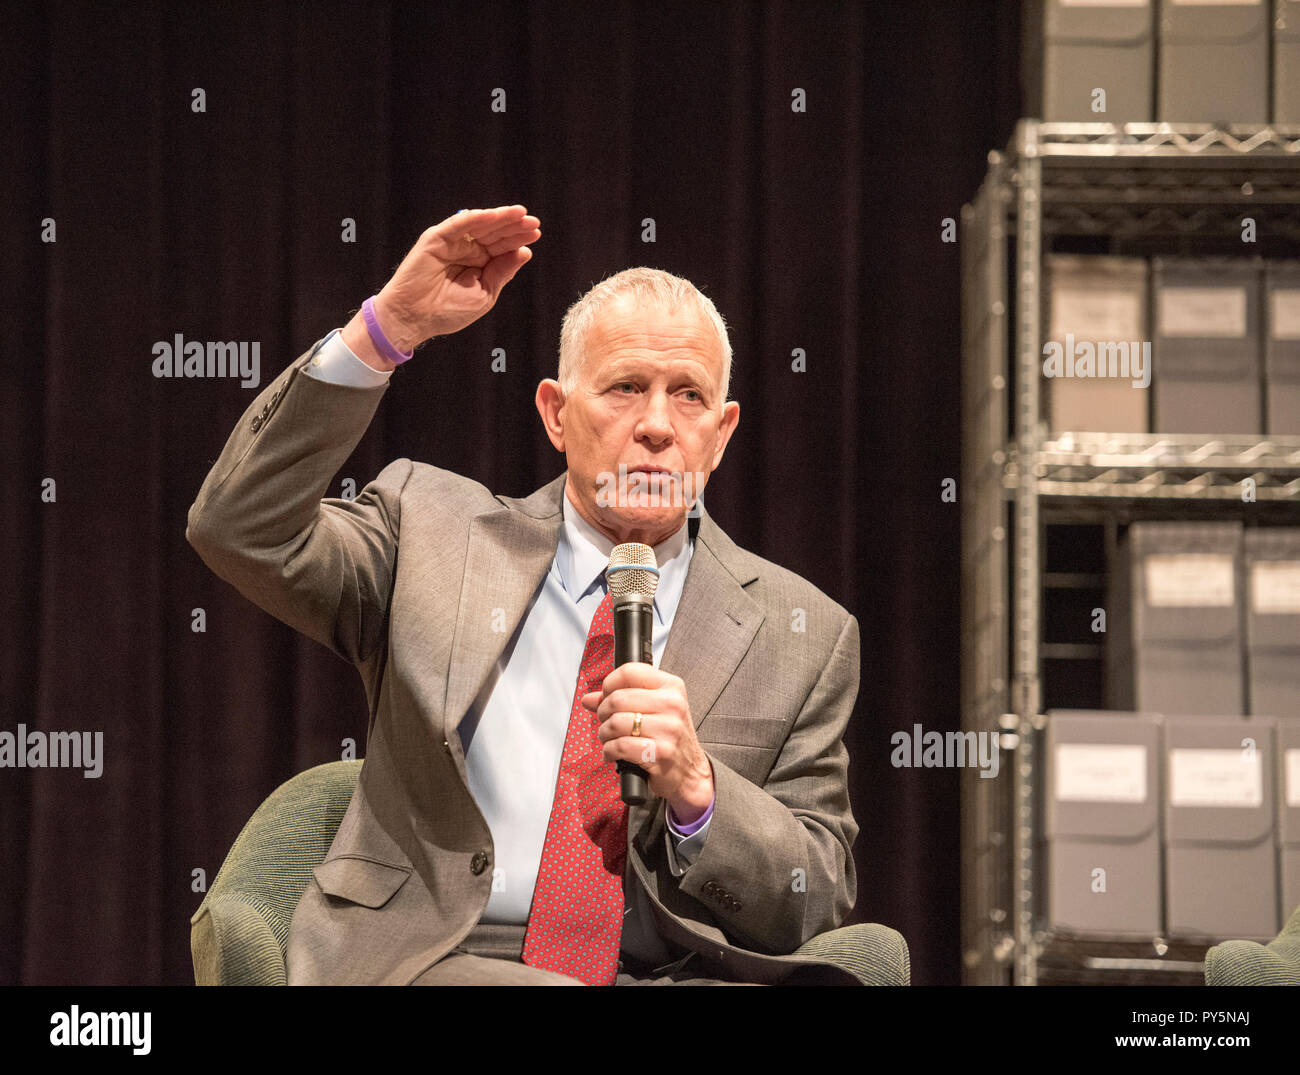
x=550 y=405
x=730 y=419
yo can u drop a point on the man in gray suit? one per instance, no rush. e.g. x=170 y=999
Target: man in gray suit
x=483 y=842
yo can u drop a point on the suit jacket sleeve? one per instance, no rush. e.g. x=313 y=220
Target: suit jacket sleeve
x=777 y=868
x=324 y=566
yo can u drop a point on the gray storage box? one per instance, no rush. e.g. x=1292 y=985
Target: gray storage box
x=1075 y=47
x=1220 y=857
x=1173 y=632
x=1271 y=599
x=1286 y=62
x=1213 y=62
x=1282 y=347
x=1207 y=353
x=1103 y=822
x=1288 y=815
x=1097 y=315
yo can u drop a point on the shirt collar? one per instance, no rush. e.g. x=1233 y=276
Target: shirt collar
x=583 y=554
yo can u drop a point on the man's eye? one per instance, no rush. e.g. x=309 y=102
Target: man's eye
x=624 y=384
x=695 y=396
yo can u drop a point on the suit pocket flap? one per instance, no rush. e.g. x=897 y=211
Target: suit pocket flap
x=361 y=881
x=762 y=732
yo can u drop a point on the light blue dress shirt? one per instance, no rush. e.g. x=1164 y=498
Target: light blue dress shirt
x=514 y=732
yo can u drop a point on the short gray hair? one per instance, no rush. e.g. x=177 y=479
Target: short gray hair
x=649 y=286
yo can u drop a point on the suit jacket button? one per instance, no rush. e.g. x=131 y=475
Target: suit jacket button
x=710 y=887
x=257 y=422
x=478 y=863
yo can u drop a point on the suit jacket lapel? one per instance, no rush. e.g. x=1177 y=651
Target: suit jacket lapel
x=712 y=630
x=510 y=550
x=715 y=622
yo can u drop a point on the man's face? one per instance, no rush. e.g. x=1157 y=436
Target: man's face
x=646 y=424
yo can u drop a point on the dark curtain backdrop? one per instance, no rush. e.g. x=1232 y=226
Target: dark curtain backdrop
x=818 y=230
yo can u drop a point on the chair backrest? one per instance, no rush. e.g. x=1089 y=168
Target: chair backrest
x=1236 y=963
x=271 y=860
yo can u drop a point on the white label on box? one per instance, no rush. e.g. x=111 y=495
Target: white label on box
x=1284 y=313
x=1275 y=586
x=1101 y=773
x=1096 y=313
x=1200 y=777
x=1291 y=776
x=1203 y=312
x=1189 y=580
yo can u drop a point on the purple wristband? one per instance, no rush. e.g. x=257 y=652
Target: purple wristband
x=377 y=337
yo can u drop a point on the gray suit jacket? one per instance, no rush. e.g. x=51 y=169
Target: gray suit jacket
x=770 y=664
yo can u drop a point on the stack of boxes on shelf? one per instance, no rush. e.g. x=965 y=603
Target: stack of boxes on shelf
x=1172 y=61
x=1178 y=812
x=1177 y=345
x=1174 y=813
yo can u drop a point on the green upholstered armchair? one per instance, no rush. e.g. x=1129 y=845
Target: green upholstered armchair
x=239 y=934
x=1252 y=963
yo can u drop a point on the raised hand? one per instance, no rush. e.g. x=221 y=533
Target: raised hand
x=451 y=277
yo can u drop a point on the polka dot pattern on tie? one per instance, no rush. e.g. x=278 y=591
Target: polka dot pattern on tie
x=576 y=921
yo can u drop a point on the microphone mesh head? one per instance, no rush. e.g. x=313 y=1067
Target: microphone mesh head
x=627 y=572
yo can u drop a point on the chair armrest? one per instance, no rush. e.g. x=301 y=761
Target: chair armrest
x=232 y=943
x=872 y=953
x=1251 y=963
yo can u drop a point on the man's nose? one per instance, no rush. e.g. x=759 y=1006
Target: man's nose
x=656 y=420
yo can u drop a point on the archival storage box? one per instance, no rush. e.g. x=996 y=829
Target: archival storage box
x=1288 y=814
x=1173 y=639
x=1213 y=62
x=1282 y=347
x=1100 y=302
x=1103 y=822
x=1207 y=346
x=1074 y=49
x=1220 y=854
x=1271 y=595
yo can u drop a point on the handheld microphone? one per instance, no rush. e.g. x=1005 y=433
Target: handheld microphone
x=633 y=577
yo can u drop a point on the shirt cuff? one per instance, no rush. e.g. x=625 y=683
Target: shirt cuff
x=336 y=363
x=684 y=848
x=689 y=830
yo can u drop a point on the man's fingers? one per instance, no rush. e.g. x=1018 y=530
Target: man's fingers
x=509 y=235
x=630 y=700
x=480 y=222
x=635 y=674
x=640 y=752
x=501 y=269
x=512 y=241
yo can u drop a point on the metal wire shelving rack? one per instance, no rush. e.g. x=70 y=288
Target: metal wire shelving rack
x=1150 y=187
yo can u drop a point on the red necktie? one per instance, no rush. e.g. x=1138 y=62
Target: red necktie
x=576 y=920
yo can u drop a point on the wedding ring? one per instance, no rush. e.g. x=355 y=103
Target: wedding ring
x=636 y=725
